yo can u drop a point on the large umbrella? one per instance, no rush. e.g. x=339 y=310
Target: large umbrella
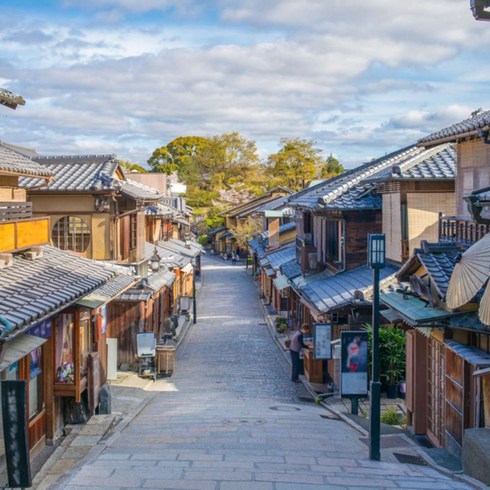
x=470 y=274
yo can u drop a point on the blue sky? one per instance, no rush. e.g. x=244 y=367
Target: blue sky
x=127 y=76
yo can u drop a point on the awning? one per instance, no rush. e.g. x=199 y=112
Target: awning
x=414 y=310
x=187 y=269
x=281 y=283
x=391 y=315
x=19 y=347
x=108 y=291
x=161 y=279
x=269 y=272
x=473 y=355
x=135 y=295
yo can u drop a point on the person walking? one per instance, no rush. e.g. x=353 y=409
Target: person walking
x=297 y=343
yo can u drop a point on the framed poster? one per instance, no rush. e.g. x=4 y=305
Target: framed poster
x=322 y=340
x=354 y=363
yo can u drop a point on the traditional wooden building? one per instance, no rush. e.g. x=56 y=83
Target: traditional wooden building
x=48 y=335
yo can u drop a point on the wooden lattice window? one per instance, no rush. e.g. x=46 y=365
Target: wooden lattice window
x=133 y=231
x=71 y=233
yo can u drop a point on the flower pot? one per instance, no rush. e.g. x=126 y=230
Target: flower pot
x=392 y=391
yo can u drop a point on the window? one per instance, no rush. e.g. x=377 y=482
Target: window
x=65 y=370
x=71 y=233
x=133 y=227
x=334 y=239
x=36 y=391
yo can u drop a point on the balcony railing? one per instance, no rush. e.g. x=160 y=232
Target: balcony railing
x=15 y=211
x=460 y=230
x=23 y=234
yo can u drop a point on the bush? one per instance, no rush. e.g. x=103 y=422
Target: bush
x=391 y=417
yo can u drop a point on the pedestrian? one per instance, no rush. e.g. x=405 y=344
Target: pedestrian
x=297 y=343
x=233 y=257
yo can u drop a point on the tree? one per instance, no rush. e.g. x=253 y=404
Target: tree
x=177 y=156
x=245 y=230
x=127 y=166
x=237 y=194
x=331 y=168
x=295 y=163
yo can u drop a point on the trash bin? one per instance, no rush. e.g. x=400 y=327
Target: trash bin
x=165 y=359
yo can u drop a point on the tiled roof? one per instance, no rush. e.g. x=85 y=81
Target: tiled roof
x=439 y=262
x=14 y=163
x=356 y=188
x=436 y=163
x=216 y=230
x=158 y=280
x=88 y=173
x=469 y=321
x=168 y=257
x=291 y=269
x=336 y=291
x=279 y=256
x=468 y=127
x=135 y=295
x=31 y=290
x=278 y=203
x=159 y=210
x=137 y=190
x=77 y=173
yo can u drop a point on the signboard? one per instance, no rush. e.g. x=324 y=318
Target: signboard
x=322 y=338
x=14 y=414
x=354 y=363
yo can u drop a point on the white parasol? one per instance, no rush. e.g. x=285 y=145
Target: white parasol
x=470 y=274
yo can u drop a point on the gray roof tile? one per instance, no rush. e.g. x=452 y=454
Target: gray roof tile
x=356 y=188
x=291 y=269
x=33 y=289
x=455 y=131
x=17 y=164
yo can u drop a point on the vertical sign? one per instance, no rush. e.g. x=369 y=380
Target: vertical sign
x=322 y=338
x=14 y=413
x=274 y=233
x=354 y=363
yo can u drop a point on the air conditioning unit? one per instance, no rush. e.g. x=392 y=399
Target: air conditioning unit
x=313 y=261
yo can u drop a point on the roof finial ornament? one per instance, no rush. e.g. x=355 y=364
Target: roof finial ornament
x=478 y=111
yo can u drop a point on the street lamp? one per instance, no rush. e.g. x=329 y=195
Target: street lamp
x=155 y=261
x=480 y=9
x=376 y=260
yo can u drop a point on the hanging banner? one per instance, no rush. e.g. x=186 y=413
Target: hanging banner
x=322 y=338
x=354 y=363
x=14 y=414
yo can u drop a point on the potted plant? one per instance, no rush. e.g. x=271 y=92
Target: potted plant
x=391 y=356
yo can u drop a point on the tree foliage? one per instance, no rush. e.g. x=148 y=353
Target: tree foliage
x=295 y=163
x=331 y=168
x=128 y=166
x=245 y=230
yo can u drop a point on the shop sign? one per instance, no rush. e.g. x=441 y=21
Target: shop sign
x=354 y=363
x=322 y=340
x=14 y=414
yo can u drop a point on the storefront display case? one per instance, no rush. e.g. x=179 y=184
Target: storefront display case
x=72 y=336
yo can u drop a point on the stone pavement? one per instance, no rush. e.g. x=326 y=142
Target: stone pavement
x=230 y=418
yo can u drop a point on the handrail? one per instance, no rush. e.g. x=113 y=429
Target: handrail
x=15 y=211
x=461 y=230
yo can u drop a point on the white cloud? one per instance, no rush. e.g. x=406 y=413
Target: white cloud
x=358 y=80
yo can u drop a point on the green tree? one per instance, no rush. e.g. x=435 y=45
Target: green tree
x=295 y=163
x=245 y=230
x=130 y=167
x=331 y=168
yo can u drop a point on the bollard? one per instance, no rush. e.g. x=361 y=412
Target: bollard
x=105 y=400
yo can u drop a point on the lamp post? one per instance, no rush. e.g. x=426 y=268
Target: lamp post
x=376 y=260
x=480 y=9
x=155 y=261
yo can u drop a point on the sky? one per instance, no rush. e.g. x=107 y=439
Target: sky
x=359 y=78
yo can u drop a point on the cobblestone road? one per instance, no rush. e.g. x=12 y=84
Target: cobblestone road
x=231 y=419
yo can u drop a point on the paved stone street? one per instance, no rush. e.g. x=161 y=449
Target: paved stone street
x=230 y=418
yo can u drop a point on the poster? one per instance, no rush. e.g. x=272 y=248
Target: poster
x=354 y=363
x=322 y=338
